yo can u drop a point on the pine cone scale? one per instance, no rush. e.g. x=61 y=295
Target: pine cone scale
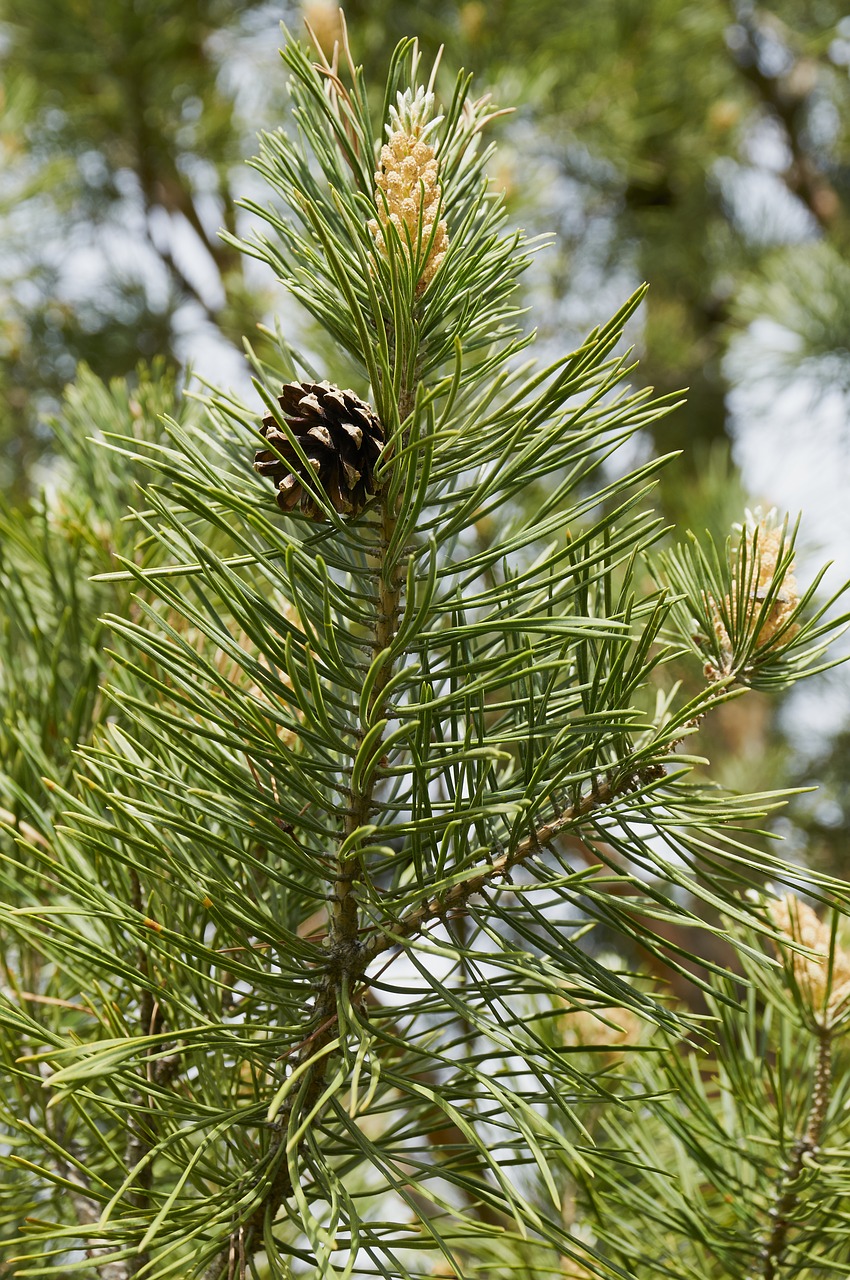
x=340 y=436
x=355 y=434
x=322 y=436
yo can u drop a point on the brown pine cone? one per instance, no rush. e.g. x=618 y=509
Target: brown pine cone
x=342 y=438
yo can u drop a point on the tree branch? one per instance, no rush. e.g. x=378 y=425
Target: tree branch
x=344 y=967
x=456 y=898
x=787 y=97
x=787 y=1189
x=182 y=281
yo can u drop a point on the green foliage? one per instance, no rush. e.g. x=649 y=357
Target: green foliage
x=52 y=638
x=293 y=940
x=52 y=660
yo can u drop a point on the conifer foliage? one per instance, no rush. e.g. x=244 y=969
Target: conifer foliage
x=297 y=936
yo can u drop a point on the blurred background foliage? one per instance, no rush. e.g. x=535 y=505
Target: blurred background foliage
x=702 y=146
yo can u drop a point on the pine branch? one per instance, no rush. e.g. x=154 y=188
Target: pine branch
x=344 y=916
x=403 y=743
x=805 y=1147
x=456 y=898
x=344 y=965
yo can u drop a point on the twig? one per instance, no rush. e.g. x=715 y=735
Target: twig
x=324 y=1019
x=787 y=1190
x=457 y=897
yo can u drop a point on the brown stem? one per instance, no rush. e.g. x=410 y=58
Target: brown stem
x=344 y=917
x=138 y=1136
x=456 y=898
x=787 y=1191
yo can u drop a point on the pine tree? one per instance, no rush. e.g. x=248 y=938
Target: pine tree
x=309 y=838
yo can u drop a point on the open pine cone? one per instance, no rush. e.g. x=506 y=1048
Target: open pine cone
x=342 y=439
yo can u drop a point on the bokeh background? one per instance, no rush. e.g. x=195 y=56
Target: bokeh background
x=703 y=147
